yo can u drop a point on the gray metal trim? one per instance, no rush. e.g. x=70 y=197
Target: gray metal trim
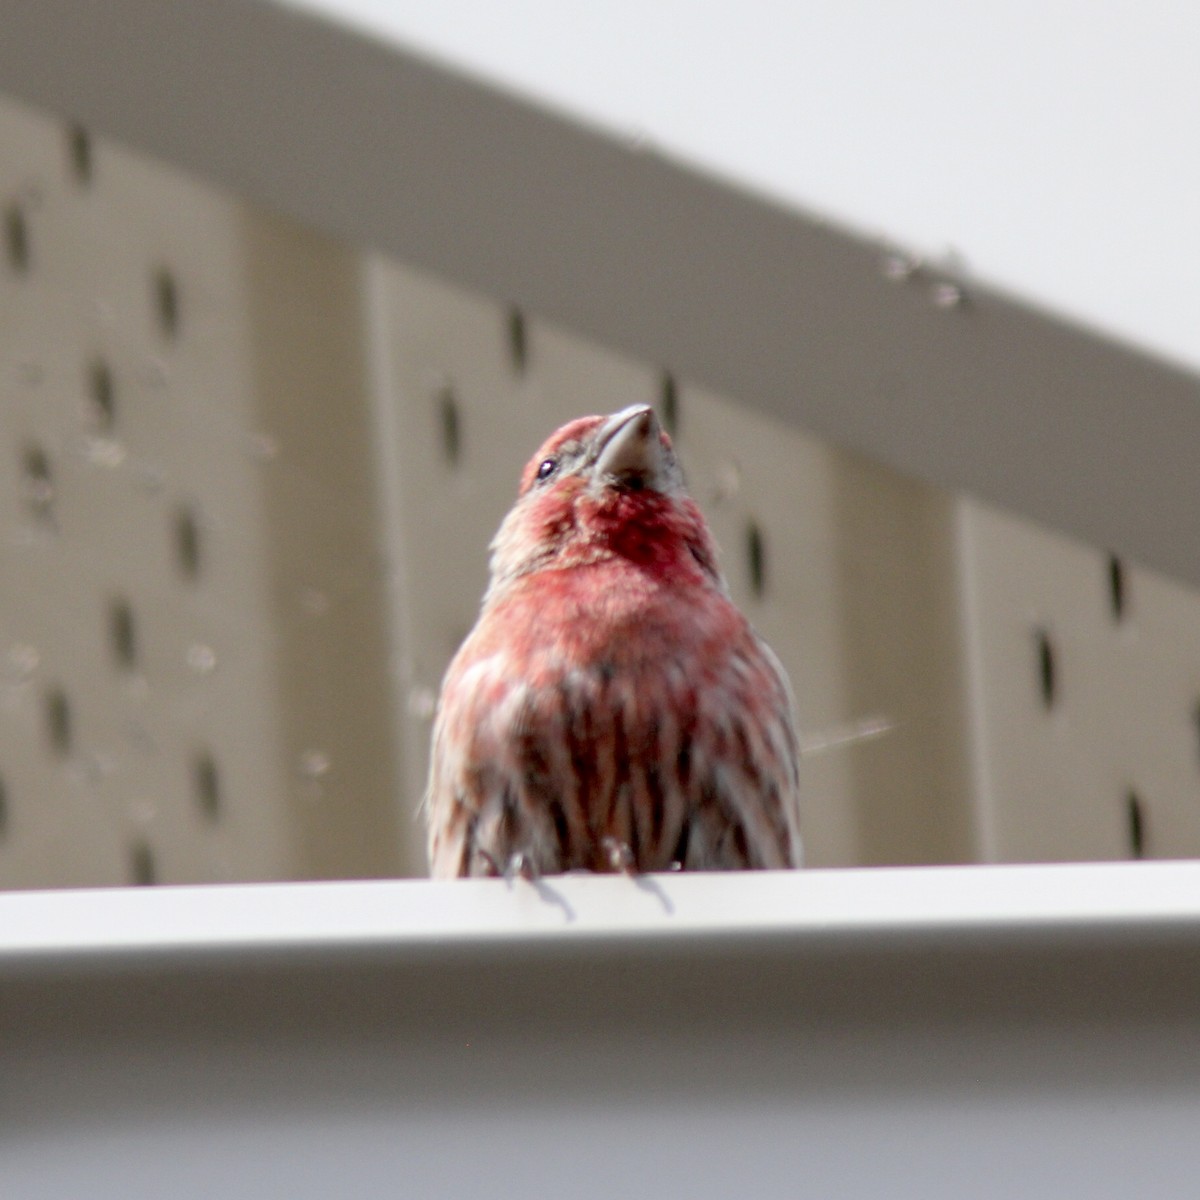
x=946 y=380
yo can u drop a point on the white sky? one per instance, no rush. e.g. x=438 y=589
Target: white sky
x=1055 y=144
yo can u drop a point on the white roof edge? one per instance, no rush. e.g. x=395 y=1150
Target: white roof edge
x=785 y=312
x=875 y=907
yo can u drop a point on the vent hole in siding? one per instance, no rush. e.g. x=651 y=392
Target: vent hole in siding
x=59 y=722
x=101 y=393
x=79 y=150
x=450 y=424
x=122 y=634
x=668 y=403
x=187 y=544
x=1135 y=817
x=1118 y=588
x=756 y=560
x=166 y=302
x=143 y=871
x=16 y=239
x=1047 y=668
x=37 y=483
x=206 y=785
x=518 y=340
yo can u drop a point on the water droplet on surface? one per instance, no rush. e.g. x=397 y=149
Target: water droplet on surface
x=314 y=601
x=728 y=482
x=24 y=659
x=315 y=764
x=899 y=266
x=422 y=702
x=638 y=140
x=263 y=447
x=947 y=295
x=104 y=452
x=143 y=811
x=149 y=477
x=202 y=658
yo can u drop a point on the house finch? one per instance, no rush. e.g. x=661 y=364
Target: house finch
x=611 y=709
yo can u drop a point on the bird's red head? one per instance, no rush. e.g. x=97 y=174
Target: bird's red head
x=603 y=488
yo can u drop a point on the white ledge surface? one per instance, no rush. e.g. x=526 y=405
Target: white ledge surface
x=880 y=902
x=983 y=1032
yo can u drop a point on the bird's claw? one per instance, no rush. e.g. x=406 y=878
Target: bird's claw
x=518 y=865
x=492 y=867
x=521 y=866
x=620 y=856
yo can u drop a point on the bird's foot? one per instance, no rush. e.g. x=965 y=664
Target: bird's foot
x=518 y=865
x=619 y=855
x=490 y=865
x=521 y=866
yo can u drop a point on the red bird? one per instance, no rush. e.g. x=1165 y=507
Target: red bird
x=611 y=709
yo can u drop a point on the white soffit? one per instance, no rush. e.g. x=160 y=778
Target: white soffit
x=1045 y=143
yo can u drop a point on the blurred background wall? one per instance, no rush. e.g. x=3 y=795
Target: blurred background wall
x=250 y=458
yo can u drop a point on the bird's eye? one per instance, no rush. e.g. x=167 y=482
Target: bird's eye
x=548 y=467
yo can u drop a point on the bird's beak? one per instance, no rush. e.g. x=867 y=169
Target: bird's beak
x=629 y=447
